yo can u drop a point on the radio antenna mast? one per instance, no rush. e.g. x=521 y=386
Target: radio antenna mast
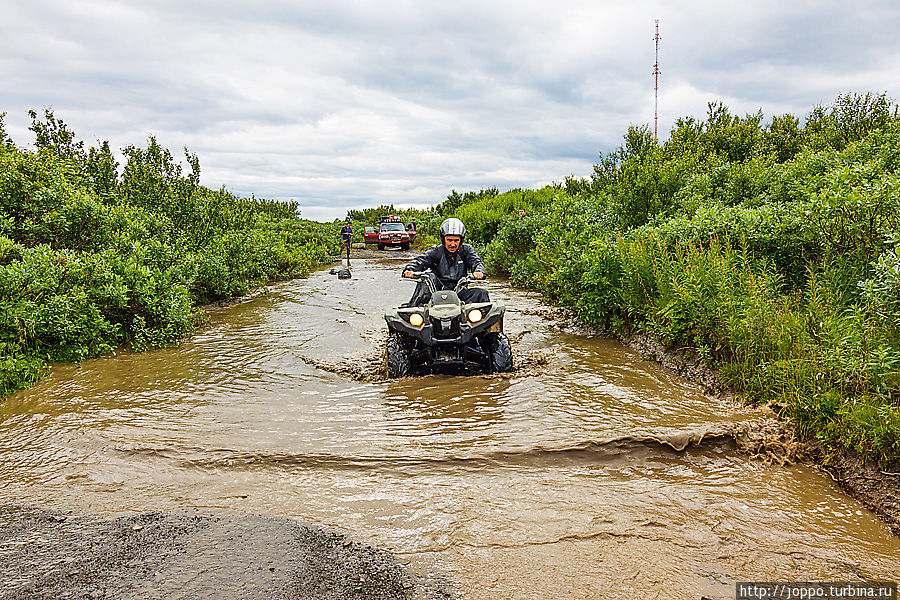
x=656 y=85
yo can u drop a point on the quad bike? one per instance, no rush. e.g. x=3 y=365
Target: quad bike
x=446 y=335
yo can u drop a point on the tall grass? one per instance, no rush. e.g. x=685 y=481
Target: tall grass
x=768 y=250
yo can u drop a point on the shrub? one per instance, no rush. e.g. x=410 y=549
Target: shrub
x=90 y=260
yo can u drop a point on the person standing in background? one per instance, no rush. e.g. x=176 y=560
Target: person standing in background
x=346 y=234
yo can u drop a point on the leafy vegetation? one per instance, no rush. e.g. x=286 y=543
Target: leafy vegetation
x=91 y=259
x=767 y=249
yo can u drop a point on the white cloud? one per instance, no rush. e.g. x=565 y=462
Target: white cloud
x=349 y=104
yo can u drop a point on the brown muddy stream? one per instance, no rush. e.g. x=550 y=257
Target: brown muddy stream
x=545 y=483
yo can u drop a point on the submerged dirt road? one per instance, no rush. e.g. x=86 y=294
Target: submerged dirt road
x=587 y=472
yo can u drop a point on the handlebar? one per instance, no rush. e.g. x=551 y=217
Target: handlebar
x=460 y=285
x=417 y=276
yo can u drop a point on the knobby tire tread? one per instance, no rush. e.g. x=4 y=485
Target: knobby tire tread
x=500 y=352
x=397 y=357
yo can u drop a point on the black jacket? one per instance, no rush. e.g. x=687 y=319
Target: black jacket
x=448 y=268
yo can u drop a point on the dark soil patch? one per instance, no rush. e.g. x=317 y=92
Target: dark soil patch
x=877 y=489
x=57 y=556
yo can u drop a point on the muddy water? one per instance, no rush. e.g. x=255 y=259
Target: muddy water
x=570 y=478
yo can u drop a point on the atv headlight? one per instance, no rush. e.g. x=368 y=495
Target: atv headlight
x=416 y=319
x=475 y=315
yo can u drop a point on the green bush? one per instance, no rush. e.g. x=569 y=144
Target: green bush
x=91 y=260
x=769 y=250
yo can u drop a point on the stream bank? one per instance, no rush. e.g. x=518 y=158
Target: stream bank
x=586 y=472
x=773 y=439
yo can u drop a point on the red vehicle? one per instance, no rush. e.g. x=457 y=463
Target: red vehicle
x=391 y=232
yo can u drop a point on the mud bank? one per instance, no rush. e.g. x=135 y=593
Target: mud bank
x=57 y=555
x=773 y=439
x=879 y=490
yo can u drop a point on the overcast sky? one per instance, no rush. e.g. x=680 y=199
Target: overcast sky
x=344 y=104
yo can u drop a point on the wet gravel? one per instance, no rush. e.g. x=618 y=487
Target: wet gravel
x=46 y=554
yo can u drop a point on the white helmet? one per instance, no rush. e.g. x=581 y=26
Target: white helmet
x=453 y=226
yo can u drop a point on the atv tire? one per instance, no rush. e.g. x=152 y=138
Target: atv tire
x=396 y=356
x=381 y=246
x=404 y=246
x=499 y=352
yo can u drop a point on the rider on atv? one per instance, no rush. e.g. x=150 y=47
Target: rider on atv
x=449 y=262
x=447 y=326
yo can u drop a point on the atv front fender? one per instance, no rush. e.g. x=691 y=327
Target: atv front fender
x=398 y=322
